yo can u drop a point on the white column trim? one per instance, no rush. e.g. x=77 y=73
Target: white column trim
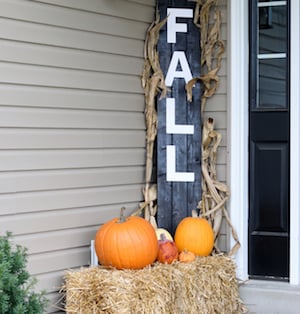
x=238 y=129
x=295 y=145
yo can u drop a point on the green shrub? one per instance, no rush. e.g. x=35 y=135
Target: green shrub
x=16 y=284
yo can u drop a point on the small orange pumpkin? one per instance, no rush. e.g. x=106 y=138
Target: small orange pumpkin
x=186 y=256
x=167 y=250
x=196 y=235
x=126 y=243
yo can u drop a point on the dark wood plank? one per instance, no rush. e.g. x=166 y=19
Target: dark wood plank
x=176 y=200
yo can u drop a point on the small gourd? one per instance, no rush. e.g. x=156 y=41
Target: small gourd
x=186 y=256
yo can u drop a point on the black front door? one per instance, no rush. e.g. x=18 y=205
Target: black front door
x=269 y=140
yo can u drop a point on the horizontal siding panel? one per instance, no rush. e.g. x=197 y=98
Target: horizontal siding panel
x=222 y=89
x=32 y=224
x=222 y=3
x=224 y=137
x=57 y=240
x=58 y=260
x=223 y=32
x=51 y=281
x=20 y=52
x=46 y=76
x=221 y=172
x=66 y=139
x=43 y=97
x=119 y=8
x=63 y=37
x=216 y=103
x=18 y=203
x=27 y=181
x=71 y=18
x=55 y=303
x=224 y=226
x=150 y=3
x=66 y=159
x=63 y=118
x=221 y=156
x=222 y=242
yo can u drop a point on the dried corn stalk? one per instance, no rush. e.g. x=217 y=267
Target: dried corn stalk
x=214 y=193
x=207 y=18
x=153 y=82
x=212 y=49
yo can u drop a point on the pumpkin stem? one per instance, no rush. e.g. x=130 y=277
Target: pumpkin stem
x=122 y=216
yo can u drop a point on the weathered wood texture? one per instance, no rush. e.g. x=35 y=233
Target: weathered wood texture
x=176 y=200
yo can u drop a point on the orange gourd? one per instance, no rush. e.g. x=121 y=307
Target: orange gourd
x=186 y=256
x=196 y=235
x=126 y=243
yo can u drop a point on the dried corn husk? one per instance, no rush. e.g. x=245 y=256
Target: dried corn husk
x=153 y=82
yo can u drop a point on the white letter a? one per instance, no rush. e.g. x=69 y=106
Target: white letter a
x=178 y=58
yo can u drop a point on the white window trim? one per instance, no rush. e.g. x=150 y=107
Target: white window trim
x=238 y=135
x=271 y=4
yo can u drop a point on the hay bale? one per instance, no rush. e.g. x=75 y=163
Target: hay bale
x=207 y=285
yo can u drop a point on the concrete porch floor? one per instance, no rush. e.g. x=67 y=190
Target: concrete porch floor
x=270 y=297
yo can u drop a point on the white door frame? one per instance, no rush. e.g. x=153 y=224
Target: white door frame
x=238 y=134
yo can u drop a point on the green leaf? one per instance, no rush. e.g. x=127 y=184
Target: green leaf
x=17 y=295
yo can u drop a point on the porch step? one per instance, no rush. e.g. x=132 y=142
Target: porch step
x=270 y=297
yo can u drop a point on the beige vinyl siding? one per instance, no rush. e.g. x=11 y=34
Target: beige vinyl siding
x=216 y=108
x=72 y=129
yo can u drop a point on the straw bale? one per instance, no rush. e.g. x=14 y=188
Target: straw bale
x=206 y=285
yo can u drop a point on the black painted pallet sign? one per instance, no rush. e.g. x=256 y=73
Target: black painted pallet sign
x=179 y=121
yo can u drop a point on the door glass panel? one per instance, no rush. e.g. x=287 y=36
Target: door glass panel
x=272 y=83
x=272 y=29
x=272 y=47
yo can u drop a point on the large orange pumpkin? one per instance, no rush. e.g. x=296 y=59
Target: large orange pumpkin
x=126 y=243
x=196 y=235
